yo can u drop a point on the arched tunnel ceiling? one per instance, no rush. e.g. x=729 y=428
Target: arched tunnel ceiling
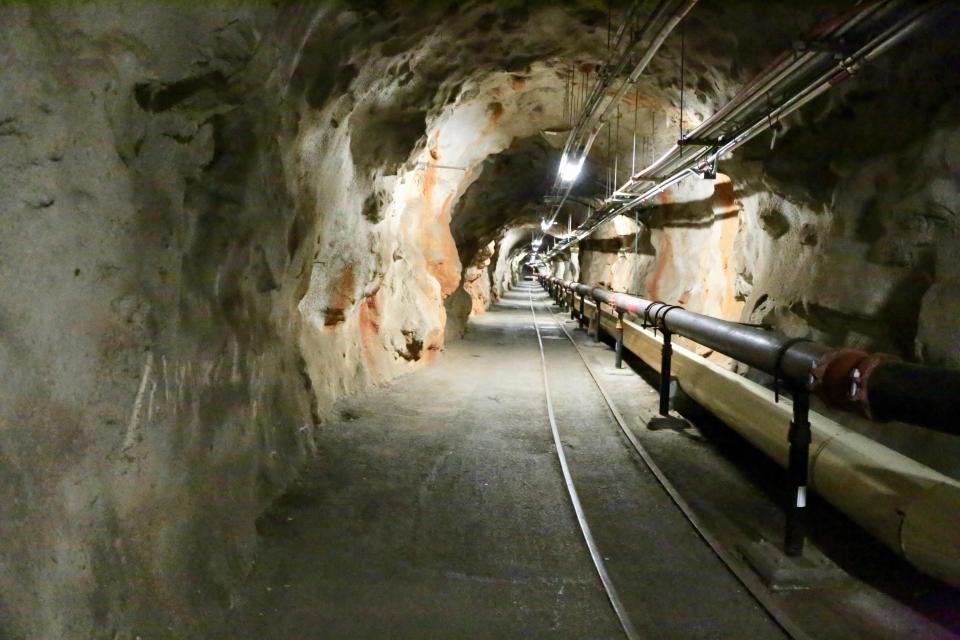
x=508 y=191
x=422 y=76
x=220 y=219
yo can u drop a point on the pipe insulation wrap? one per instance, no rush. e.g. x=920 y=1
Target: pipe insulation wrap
x=907 y=506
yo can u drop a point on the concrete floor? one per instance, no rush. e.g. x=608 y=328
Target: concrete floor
x=436 y=509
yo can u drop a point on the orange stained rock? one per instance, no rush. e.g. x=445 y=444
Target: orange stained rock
x=723 y=201
x=432 y=345
x=472 y=287
x=436 y=242
x=340 y=297
x=726 y=207
x=663 y=259
x=369 y=325
x=643 y=102
x=496 y=111
x=439 y=247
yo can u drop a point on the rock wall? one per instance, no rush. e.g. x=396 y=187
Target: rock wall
x=843 y=231
x=216 y=222
x=152 y=399
x=477 y=280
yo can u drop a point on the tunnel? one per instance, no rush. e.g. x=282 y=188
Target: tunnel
x=487 y=319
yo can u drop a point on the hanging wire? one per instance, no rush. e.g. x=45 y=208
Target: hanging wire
x=566 y=88
x=616 y=154
x=609 y=26
x=579 y=91
x=683 y=48
x=583 y=89
x=608 y=161
x=573 y=91
x=653 y=133
x=636 y=111
x=586 y=88
x=774 y=125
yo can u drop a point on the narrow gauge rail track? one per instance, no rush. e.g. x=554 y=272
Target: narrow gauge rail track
x=730 y=560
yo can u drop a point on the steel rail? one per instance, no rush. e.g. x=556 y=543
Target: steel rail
x=618 y=607
x=731 y=560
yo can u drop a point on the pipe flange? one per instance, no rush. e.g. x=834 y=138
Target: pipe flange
x=830 y=377
x=860 y=380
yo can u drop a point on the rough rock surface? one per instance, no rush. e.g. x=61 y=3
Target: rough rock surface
x=218 y=220
x=856 y=251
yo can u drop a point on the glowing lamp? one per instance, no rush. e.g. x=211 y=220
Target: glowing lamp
x=569 y=170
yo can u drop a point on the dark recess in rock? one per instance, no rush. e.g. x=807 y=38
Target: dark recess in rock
x=156 y=97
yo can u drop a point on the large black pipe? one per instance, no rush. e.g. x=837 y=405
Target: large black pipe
x=753 y=346
x=914 y=393
x=883 y=387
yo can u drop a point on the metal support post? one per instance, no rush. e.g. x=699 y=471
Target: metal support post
x=596 y=327
x=799 y=438
x=583 y=316
x=618 y=358
x=666 y=355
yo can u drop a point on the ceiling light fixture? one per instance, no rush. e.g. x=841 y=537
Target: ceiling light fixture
x=570 y=170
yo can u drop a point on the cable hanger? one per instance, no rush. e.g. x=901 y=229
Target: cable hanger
x=683 y=50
